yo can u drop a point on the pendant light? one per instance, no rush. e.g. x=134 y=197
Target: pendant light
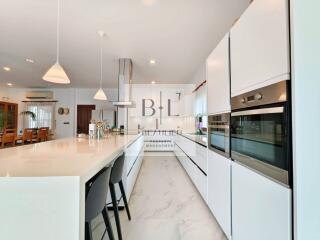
x=56 y=73
x=100 y=95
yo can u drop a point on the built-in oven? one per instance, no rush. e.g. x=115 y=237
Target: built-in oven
x=260 y=131
x=218 y=133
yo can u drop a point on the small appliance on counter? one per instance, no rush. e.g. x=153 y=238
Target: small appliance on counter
x=201 y=125
x=92 y=130
x=261 y=131
x=121 y=130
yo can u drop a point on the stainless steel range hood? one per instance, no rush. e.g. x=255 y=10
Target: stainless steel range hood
x=124 y=84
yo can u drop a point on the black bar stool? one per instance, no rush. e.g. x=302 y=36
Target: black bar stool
x=96 y=197
x=116 y=177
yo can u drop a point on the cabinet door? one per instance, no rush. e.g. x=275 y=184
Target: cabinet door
x=218 y=78
x=219 y=190
x=189 y=107
x=202 y=185
x=260 y=46
x=261 y=208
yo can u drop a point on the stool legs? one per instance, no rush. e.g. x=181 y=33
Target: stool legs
x=124 y=199
x=108 y=224
x=88 y=233
x=116 y=210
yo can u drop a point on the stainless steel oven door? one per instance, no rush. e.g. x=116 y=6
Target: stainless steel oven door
x=219 y=134
x=259 y=140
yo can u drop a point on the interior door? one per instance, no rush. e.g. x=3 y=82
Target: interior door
x=84 y=114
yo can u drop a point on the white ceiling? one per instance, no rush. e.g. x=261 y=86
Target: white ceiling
x=178 y=34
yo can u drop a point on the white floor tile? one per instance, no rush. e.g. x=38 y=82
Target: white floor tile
x=164 y=205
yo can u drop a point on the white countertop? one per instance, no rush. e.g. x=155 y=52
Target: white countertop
x=63 y=157
x=201 y=139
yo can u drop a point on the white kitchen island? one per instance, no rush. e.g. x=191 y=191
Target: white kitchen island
x=42 y=186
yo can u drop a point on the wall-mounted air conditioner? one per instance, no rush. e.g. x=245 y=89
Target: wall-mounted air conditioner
x=39 y=95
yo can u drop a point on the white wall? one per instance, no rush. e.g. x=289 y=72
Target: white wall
x=152 y=91
x=306 y=107
x=66 y=97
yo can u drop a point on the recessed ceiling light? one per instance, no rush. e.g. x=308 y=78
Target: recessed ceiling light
x=148 y=2
x=29 y=60
x=152 y=61
x=153 y=82
x=9 y=84
x=7 y=69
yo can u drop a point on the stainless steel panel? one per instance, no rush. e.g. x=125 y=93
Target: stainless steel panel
x=275 y=93
x=258 y=111
x=277 y=174
x=222 y=122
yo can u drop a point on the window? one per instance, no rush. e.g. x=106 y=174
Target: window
x=44 y=112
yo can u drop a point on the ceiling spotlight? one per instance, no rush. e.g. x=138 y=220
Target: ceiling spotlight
x=152 y=61
x=7 y=69
x=9 y=84
x=153 y=82
x=29 y=60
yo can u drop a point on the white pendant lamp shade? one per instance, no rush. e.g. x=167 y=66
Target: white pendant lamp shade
x=100 y=95
x=56 y=74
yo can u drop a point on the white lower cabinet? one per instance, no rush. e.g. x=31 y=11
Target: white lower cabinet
x=219 y=190
x=261 y=208
x=193 y=158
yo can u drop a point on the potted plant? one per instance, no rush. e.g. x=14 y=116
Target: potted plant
x=29 y=113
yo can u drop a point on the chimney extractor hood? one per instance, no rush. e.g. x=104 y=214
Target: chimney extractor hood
x=124 y=83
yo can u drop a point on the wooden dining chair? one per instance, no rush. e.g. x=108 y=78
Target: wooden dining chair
x=42 y=135
x=34 y=134
x=26 y=136
x=9 y=137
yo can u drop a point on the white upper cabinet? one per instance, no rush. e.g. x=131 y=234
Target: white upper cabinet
x=187 y=105
x=200 y=104
x=260 y=46
x=218 y=78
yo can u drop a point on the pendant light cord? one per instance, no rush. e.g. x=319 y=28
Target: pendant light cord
x=101 y=61
x=58 y=31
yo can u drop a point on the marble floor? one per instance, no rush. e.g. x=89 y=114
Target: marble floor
x=164 y=205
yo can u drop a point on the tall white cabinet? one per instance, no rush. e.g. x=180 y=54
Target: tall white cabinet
x=219 y=167
x=218 y=78
x=261 y=208
x=260 y=46
x=219 y=190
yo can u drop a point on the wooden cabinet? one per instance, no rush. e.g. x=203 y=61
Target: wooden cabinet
x=8 y=116
x=261 y=208
x=260 y=46
x=218 y=78
x=219 y=190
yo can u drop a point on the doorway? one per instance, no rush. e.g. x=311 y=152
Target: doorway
x=84 y=114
